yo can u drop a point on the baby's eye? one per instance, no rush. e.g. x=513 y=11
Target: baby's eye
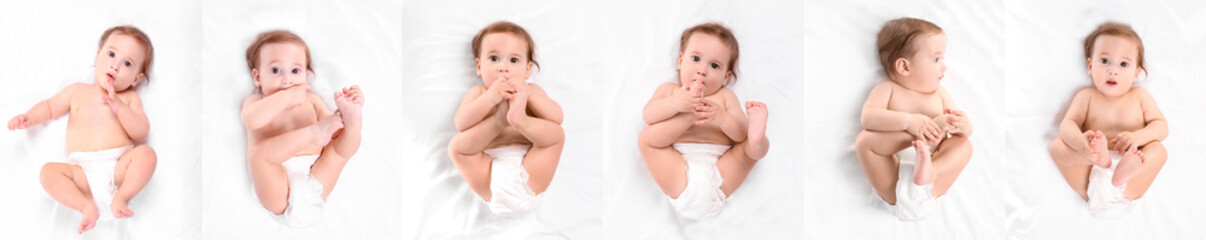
x=276 y=70
x=493 y=59
x=514 y=60
x=937 y=59
x=111 y=54
x=695 y=58
x=127 y=63
x=1123 y=64
x=1104 y=61
x=715 y=66
x=295 y=71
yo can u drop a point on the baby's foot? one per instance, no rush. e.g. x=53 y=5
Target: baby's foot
x=756 y=113
x=1130 y=164
x=923 y=171
x=348 y=107
x=90 y=214
x=1099 y=153
x=325 y=128
x=517 y=115
x=120 y=208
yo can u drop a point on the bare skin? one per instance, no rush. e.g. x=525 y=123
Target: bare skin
x=1127 y=116
x=287 y=121
x=101 y=116
x=508 y=112
x=699 y=109
x=911 y=110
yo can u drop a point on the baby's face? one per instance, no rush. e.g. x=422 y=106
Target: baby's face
x=927 y=66
x=1113 y=65
x=704 y=58
x=118 y=63
x=281 y=65
x=505 y=56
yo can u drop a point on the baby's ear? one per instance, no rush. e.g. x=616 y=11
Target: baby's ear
x=477 y=66
x=139 y=78
x=255 y=77
x=902 y=66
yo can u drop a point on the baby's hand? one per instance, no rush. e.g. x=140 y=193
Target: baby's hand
x=18 y=122
x=923 y=128
x=521 y=90
x=709 y=112
x=958 y=122
x=689 y=96
x=1125 y=141
x=500 y=90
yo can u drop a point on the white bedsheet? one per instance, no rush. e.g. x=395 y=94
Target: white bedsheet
x=48 y=46
x=601 y=69
x=350 y=43
x=1013 y=67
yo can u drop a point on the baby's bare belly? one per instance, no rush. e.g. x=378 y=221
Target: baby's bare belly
x=707 y=135
x=94 y=135
x=508 y=137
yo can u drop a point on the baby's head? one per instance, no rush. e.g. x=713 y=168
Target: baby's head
x=707 y=52
x=1115 y=57
x=278 y=59
x=503 y=50
x=912 y=53
x=123 y=58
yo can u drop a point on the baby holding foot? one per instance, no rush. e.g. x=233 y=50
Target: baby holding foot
x=296 y=146
x=912 y=110
x=107 y=166
x=1115 y=110
x=510 y=136
x=699 y=146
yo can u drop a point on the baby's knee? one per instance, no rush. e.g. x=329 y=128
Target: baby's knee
x=863 y=141
x=145 y=153
x=275 y=207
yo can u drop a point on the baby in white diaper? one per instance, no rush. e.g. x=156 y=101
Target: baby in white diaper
x=699 y=145
x=510 y=136
x=107 y=166
x=296 y=147
x=912 y=112
x=1112 y=117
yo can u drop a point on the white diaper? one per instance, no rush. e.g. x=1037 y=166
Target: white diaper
x=98 y=169
x=305 y=193
x=702 y=197
x=1105 y=200
x=509 y=191
x=913 y=202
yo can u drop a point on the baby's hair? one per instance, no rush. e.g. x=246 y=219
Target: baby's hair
x=505 y=27
x=275 y=36
x=142 y=39
x=719 y=31
x=895 y=40
x=1117 y=30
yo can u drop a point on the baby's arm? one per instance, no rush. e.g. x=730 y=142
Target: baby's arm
x=733 y=121
x=129 y=113
x=43 y=111
x=959 y=123
x=478 y=102
x=1069 y=128
x=543 y=106
x=668 y=101
x=1155 y=126
x=876 y=116
x=259 y=110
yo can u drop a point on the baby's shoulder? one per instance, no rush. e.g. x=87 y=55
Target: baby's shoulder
x=252 y=98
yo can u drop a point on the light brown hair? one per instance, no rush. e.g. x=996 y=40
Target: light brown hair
x=1117 y=30
x=142 y=39
x=719 y=31
x=275 y=36
x=895 y=40
x=504 y=27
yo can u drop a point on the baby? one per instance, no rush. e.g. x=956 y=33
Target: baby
x=510 y=136
x=295 y=147
x=107 y=166
x=699 y=146
x=1127 y=116
x=912 y=110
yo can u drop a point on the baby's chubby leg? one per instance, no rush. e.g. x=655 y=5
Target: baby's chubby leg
x=266 y=156
x=335 y=155
x=737 y=162
x=1152 y=157
x=877 y=154
x=666 y=164
x=133 y=172
x=948 y=161
x=547 y=139
x=466 y=148
x=68 y=185
x=1072 y=165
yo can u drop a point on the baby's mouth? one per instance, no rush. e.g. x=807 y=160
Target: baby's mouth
x=1111 y=83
